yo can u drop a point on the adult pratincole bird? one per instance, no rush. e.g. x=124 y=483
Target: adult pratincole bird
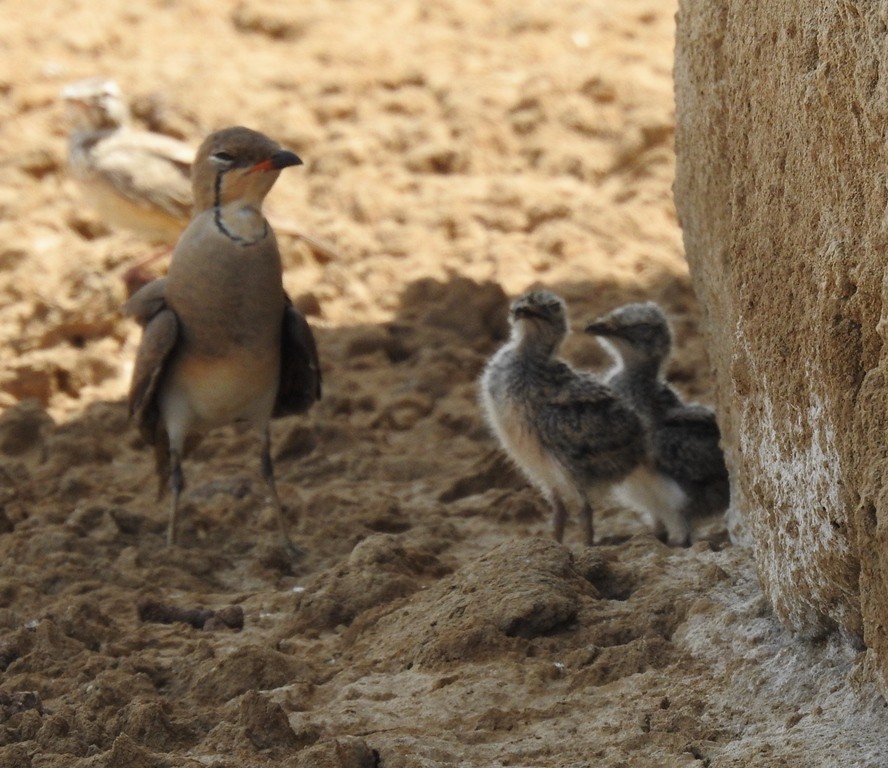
x=222 y=342
x=683 y=438
x=571 y=435
x=136 y=180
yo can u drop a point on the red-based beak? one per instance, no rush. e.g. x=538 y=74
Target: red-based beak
x=279 y=160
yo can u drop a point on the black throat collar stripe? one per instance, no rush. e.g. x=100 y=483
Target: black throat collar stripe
x=220 y=224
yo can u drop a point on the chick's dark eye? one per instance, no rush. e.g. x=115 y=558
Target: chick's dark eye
x=223 y=157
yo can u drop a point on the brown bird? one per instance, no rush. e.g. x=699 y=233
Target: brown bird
x=222 y=342
x=136 y=180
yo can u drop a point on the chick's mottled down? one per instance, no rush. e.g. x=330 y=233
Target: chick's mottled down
x=222 y=342
x=570 y=434
x=683 y=438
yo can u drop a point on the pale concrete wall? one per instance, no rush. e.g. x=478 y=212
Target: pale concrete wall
x=782 y=192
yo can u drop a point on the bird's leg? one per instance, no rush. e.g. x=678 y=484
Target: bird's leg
x=177 y=484
x=586 y=522
x=559 y=517
x=268 y=475
x=659 y=530
x=678 y=530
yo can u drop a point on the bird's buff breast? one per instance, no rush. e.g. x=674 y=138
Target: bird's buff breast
x=215 y=391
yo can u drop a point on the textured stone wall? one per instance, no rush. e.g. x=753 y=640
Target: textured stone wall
x=782 y=193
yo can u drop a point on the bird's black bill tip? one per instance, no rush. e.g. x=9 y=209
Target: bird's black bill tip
x=284 y=159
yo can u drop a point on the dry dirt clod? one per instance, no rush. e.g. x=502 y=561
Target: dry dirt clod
x=231 y=617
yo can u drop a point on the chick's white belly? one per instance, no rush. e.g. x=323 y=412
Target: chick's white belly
x=203 y=393
x=656 y=497
x=519 y=441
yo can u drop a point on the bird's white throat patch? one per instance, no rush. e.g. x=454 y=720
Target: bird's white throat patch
x=244 y=225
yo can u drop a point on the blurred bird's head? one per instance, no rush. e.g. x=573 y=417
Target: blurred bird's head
x=539 y=316
x=634 y=333
x=237 y=164
x=95 y=104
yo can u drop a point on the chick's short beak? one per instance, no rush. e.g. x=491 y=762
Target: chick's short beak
x=525 y=313
x=600 y=328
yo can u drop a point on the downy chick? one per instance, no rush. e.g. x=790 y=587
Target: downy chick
x=572 y=436
x=692 y=479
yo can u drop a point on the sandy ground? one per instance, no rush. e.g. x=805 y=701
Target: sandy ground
x=456 y=153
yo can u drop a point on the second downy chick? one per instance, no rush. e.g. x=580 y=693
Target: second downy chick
x=691 y=479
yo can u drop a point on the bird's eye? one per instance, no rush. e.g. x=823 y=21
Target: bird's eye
x=223 y=158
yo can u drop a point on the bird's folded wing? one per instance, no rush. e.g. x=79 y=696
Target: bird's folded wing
x=687 y=445
x=149 y=169
x=588 y=423
x=158 y=341
x=178 y=152
x=300 y=379
x=146 y=302
x=696 y=419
